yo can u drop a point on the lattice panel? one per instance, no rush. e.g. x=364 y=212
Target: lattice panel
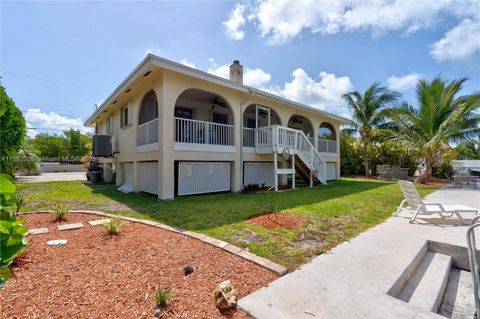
x=258 y=173
x=203 y=177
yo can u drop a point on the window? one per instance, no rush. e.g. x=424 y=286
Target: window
x=125 y=116
x=148 y=108
x=184 y=113
x=109 y=128
x=220 y=118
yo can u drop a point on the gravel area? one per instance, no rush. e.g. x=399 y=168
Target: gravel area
x=94 y=276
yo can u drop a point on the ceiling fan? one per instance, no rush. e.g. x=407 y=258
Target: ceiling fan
x=295 y=120
x=217 y=102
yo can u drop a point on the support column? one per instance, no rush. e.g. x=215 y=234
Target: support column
x=293 y=167
x=275 y=171
x=136 y=177
x=119 y=174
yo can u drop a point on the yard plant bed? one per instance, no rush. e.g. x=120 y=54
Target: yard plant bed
x=277 y=220
x=334 y=212
x=95 y=276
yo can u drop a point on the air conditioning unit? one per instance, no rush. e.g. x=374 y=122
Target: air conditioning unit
x=102 y=145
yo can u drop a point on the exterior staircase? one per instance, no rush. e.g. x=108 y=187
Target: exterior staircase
x=297 y=147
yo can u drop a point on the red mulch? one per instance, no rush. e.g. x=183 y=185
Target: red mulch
x=277 y=220
x=98 y=277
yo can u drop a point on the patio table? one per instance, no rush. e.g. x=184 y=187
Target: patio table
x=458 y=180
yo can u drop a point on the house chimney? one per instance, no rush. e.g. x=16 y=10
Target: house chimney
x=236 y=72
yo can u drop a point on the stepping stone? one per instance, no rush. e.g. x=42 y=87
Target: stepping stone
x=70 y=226
x=57 y=242
x=99 y=221
x=36 y=231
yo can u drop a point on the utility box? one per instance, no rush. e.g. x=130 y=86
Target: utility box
x=102 y=145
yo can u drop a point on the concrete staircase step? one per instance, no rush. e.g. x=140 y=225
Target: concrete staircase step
x=458 y=302
x=426 y=286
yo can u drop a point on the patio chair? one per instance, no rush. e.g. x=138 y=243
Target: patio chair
x=416 y=206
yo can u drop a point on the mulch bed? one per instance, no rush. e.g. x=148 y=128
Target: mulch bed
x=94 y=276
x=277 y=220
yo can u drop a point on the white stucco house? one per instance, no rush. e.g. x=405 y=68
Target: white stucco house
x=173 y=130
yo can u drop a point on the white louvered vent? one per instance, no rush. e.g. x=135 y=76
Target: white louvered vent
x=258 y=173
x=148 y=177
x=203 y=177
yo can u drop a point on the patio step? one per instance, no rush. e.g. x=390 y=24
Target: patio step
x=426 y=286
x=458 y=302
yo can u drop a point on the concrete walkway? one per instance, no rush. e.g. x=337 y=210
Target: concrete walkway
x=352 y=280
x=52 y=177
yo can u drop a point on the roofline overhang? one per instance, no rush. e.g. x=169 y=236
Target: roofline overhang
x=153 y=60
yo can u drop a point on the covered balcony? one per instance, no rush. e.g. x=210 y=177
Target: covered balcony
x=203 y=121
x=147 y=129
x=327 y=139
x=256 y=117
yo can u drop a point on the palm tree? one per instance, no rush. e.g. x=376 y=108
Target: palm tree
x=368 y=114
x=442 y=117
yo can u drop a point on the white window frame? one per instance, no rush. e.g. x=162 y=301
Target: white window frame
x=109 y=125
x=128 y=122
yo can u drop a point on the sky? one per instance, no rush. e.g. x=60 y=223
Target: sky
x=59 y=59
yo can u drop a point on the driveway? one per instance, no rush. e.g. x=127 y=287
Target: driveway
x=52 y=177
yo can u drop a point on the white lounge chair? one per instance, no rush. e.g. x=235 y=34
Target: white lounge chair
x=417 y=206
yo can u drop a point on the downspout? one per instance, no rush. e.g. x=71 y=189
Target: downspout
x=242 y=109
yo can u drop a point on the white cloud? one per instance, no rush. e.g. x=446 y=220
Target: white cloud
x=190 y=64
x=325 y=93
x=235 y=21
x=51 y=122
x=460 y=44
x=256 y=77
x=251 y=77
x=279 y=21
x=404 y=83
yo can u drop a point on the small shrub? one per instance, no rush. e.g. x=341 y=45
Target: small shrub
x=252 y=188
x=163 y=296
x=12 y=230
x=112 y=227
x=61 y=211
x=20 y=202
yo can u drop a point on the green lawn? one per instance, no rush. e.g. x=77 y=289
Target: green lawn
x=335 y=212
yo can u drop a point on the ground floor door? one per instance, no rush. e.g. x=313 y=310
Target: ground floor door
x=148 y=177
x=331 y=171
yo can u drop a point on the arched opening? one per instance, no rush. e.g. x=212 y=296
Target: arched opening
x=256 y=116
x=327 y=138
x=147 y=132
x=300 y=122
x=148 y=108
x=203 y=117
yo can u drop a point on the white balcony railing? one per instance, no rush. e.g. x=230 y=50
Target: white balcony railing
x=201 y=132
x=327 y=146
x=248 y=137
x=147 y=133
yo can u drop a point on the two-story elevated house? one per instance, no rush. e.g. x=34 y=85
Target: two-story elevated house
x=172 y=130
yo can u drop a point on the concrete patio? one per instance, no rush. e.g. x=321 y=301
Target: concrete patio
x=393 y=270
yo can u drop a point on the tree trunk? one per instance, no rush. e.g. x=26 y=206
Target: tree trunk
x=427 y=174
x=365 y=158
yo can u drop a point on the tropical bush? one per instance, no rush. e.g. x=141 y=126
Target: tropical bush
x=112 y=227
x=61 y=211
x=20 y=202
x=379 y=153
x=163 y=296
x=12 y=230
